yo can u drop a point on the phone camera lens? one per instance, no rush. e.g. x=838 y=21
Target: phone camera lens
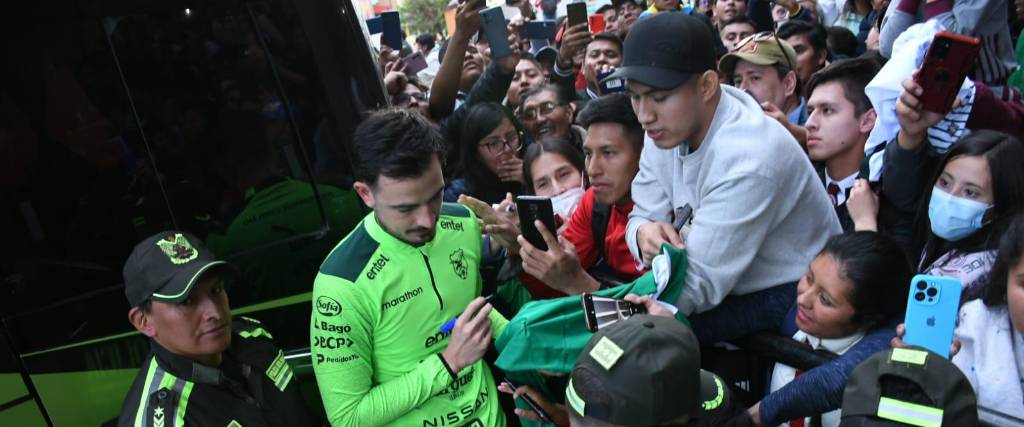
x=932 y=292
x=921 y=285
x=919 y=296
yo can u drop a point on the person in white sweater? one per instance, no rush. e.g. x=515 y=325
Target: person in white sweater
x=760 y=213
x=989 y=331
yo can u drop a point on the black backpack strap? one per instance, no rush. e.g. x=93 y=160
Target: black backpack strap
x=599 y=225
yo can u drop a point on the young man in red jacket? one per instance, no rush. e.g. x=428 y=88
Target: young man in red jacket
x=593 y=251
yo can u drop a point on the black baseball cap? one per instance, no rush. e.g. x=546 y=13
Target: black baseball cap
x=166 y=267
x=954 y=400
x=648 y=368
x=664 y=50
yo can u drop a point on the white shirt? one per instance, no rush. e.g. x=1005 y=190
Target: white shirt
x=991 y=355
x=782 y=374
x=844 y=186
x=433 y=65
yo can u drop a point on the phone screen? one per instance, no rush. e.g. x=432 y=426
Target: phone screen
x=415 y=63
x=533 y=208
x=576 y=13
x=603 y=311
x=531 y=403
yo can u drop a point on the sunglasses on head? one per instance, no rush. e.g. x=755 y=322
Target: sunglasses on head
x=765 y=36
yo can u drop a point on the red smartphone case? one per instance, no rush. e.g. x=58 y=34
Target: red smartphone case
x=596 y=23
x=949 y=60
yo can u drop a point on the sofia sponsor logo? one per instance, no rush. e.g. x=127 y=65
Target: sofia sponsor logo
x=327 y=306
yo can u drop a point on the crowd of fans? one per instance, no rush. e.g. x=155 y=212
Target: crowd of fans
x=766 y=142
x=774 y=160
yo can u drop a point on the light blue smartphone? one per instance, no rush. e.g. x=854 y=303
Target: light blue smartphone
x=932 y=308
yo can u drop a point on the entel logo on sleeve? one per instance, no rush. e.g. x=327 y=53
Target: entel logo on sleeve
x=327 y=306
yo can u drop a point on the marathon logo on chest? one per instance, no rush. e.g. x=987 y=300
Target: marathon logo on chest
x=451 y=225
x=377 y=266
x=401 y=299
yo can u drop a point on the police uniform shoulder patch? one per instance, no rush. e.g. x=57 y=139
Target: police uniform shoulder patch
x=251 y=328
x=279 y=372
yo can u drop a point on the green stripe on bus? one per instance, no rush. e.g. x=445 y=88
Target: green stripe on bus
x=294 y=299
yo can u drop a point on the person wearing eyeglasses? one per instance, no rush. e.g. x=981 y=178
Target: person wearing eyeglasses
x=491 y=162
x=546 y=112
x=413 y=97
x=764 y=66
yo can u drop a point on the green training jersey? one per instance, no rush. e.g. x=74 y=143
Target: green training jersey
x=378 y=306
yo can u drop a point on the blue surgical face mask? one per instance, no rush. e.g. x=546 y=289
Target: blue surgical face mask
x=954 y=218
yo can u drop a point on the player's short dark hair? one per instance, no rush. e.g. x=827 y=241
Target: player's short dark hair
x=395 y=143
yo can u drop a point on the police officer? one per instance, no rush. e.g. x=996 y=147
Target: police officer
x=205 y=369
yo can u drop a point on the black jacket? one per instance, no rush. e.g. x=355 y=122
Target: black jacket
x=905 y=177
x=841 y=211
x=254 y=386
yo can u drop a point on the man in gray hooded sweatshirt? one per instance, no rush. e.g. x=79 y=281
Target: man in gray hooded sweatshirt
x=760 y=214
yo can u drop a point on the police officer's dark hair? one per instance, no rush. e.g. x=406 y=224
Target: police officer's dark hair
x=815 y=32
x=395 y=143
x=854 y=74
x=426 y=40
x=878 y=271
x=146 y=306
x=614 y=108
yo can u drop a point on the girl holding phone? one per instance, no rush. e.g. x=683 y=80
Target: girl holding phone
x=951 y=209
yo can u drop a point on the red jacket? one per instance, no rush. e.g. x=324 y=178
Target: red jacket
x=580 y=233
x=617 y=255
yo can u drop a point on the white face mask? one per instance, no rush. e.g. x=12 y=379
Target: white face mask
x=564 y=204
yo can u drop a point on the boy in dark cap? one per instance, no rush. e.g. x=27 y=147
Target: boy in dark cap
x=205 y=369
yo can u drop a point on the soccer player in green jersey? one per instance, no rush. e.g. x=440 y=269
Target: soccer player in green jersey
x=381 y=350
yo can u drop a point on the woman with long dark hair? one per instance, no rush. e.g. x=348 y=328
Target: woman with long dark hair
x=961 y=208
x=490 y=157
x=554 y=168
x=977 y=189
